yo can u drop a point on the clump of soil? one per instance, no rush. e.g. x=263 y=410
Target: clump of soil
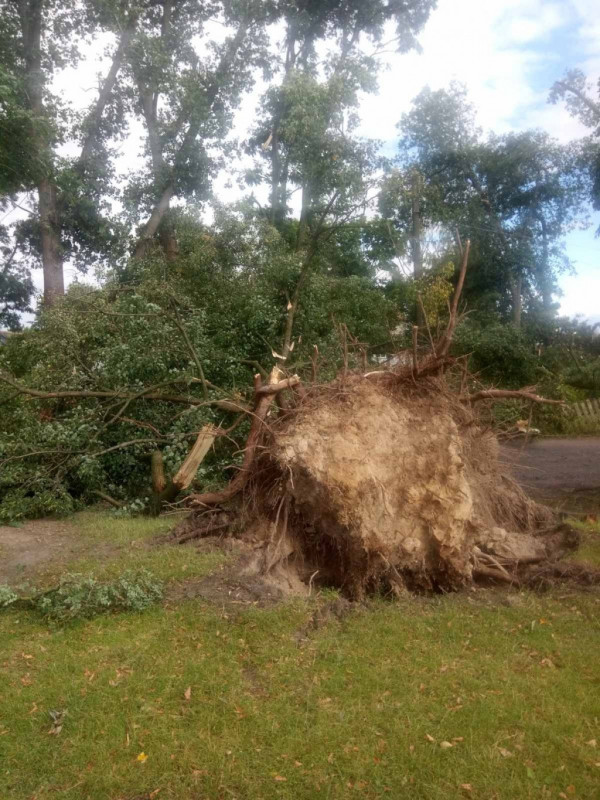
x=377 y=485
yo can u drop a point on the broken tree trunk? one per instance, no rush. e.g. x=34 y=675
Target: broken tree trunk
x=264 y=396
x=164 y=491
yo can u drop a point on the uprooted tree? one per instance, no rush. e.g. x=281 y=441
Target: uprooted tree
x=381 y=479
x=376 y=479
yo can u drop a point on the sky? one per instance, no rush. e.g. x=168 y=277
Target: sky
x=508 y=53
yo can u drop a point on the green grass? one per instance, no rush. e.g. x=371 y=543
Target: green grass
x=279 y=708
x=109 y=545
x=589 y=551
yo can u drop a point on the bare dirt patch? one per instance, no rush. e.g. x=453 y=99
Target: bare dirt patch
x=34 y=545
x=231 y=586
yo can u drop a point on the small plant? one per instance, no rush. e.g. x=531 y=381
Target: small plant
x=84 y=597
x=7 y=596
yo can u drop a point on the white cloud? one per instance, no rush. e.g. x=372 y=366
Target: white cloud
x=581 y=296
x=488 y=46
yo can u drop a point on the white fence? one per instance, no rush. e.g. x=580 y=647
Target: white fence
x=587 y=408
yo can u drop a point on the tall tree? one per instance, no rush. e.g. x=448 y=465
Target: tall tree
x=582 y=100
x=185 y=84
x=305 y=141
x=515 y=196
x=37 y=39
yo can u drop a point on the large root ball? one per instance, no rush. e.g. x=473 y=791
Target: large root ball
x=382 y=486
x=373 y=484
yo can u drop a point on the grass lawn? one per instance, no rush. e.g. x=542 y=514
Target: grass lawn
x=189 y=701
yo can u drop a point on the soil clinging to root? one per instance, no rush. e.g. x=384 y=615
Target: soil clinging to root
x=371 y=484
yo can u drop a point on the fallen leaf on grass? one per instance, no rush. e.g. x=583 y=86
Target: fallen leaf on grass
x=570 y=789
x=279 y=778
x=466 y=787
x=153 y=794
x=592 y=743
x=57 y=718
x=188 y=693
x=429 y=738
x=142 y=757
x=504 y=752
x=446 y=745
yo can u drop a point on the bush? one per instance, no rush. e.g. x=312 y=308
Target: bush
x=20 y=504
x=7 y=596
x=83 y=597
x=500 y=354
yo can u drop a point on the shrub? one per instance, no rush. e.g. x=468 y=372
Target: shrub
x=84 y=597
x=7 y=596
x=500 y=354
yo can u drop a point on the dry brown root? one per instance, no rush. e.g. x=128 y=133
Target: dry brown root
x=214 y=522
x=543 y=577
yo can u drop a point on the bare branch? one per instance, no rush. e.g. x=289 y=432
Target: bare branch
x=503 y=394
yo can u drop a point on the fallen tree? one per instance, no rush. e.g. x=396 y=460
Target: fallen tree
x=380 y=480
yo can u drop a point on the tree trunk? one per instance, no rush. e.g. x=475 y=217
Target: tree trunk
x=415 y=238
x=159 y=211
x=417 y=226
x=305 y=215
x=94 y=118
x=30 y=14
x=52 y=259
x=517 y=300
x=546 y=275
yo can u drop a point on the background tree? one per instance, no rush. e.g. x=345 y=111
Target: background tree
x=185 y=85
x=514 y=196
x=305 y=141
x=39 y=38
x=582 y=100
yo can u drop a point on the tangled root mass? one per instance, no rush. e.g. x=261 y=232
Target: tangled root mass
x=376 y=485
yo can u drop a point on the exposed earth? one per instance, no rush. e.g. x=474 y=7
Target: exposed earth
x=25 y=548
x=564 y=472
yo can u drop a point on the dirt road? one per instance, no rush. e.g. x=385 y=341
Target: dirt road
x=557 y=468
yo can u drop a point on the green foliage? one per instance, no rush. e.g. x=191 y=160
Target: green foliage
x=7 y=596
x=38 y=498
x=84 y=597
x=515 y=196
x=227 y=292
x=499 y=353
x=582 y=99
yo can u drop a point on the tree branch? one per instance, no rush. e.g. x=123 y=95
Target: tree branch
x=503 y=394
